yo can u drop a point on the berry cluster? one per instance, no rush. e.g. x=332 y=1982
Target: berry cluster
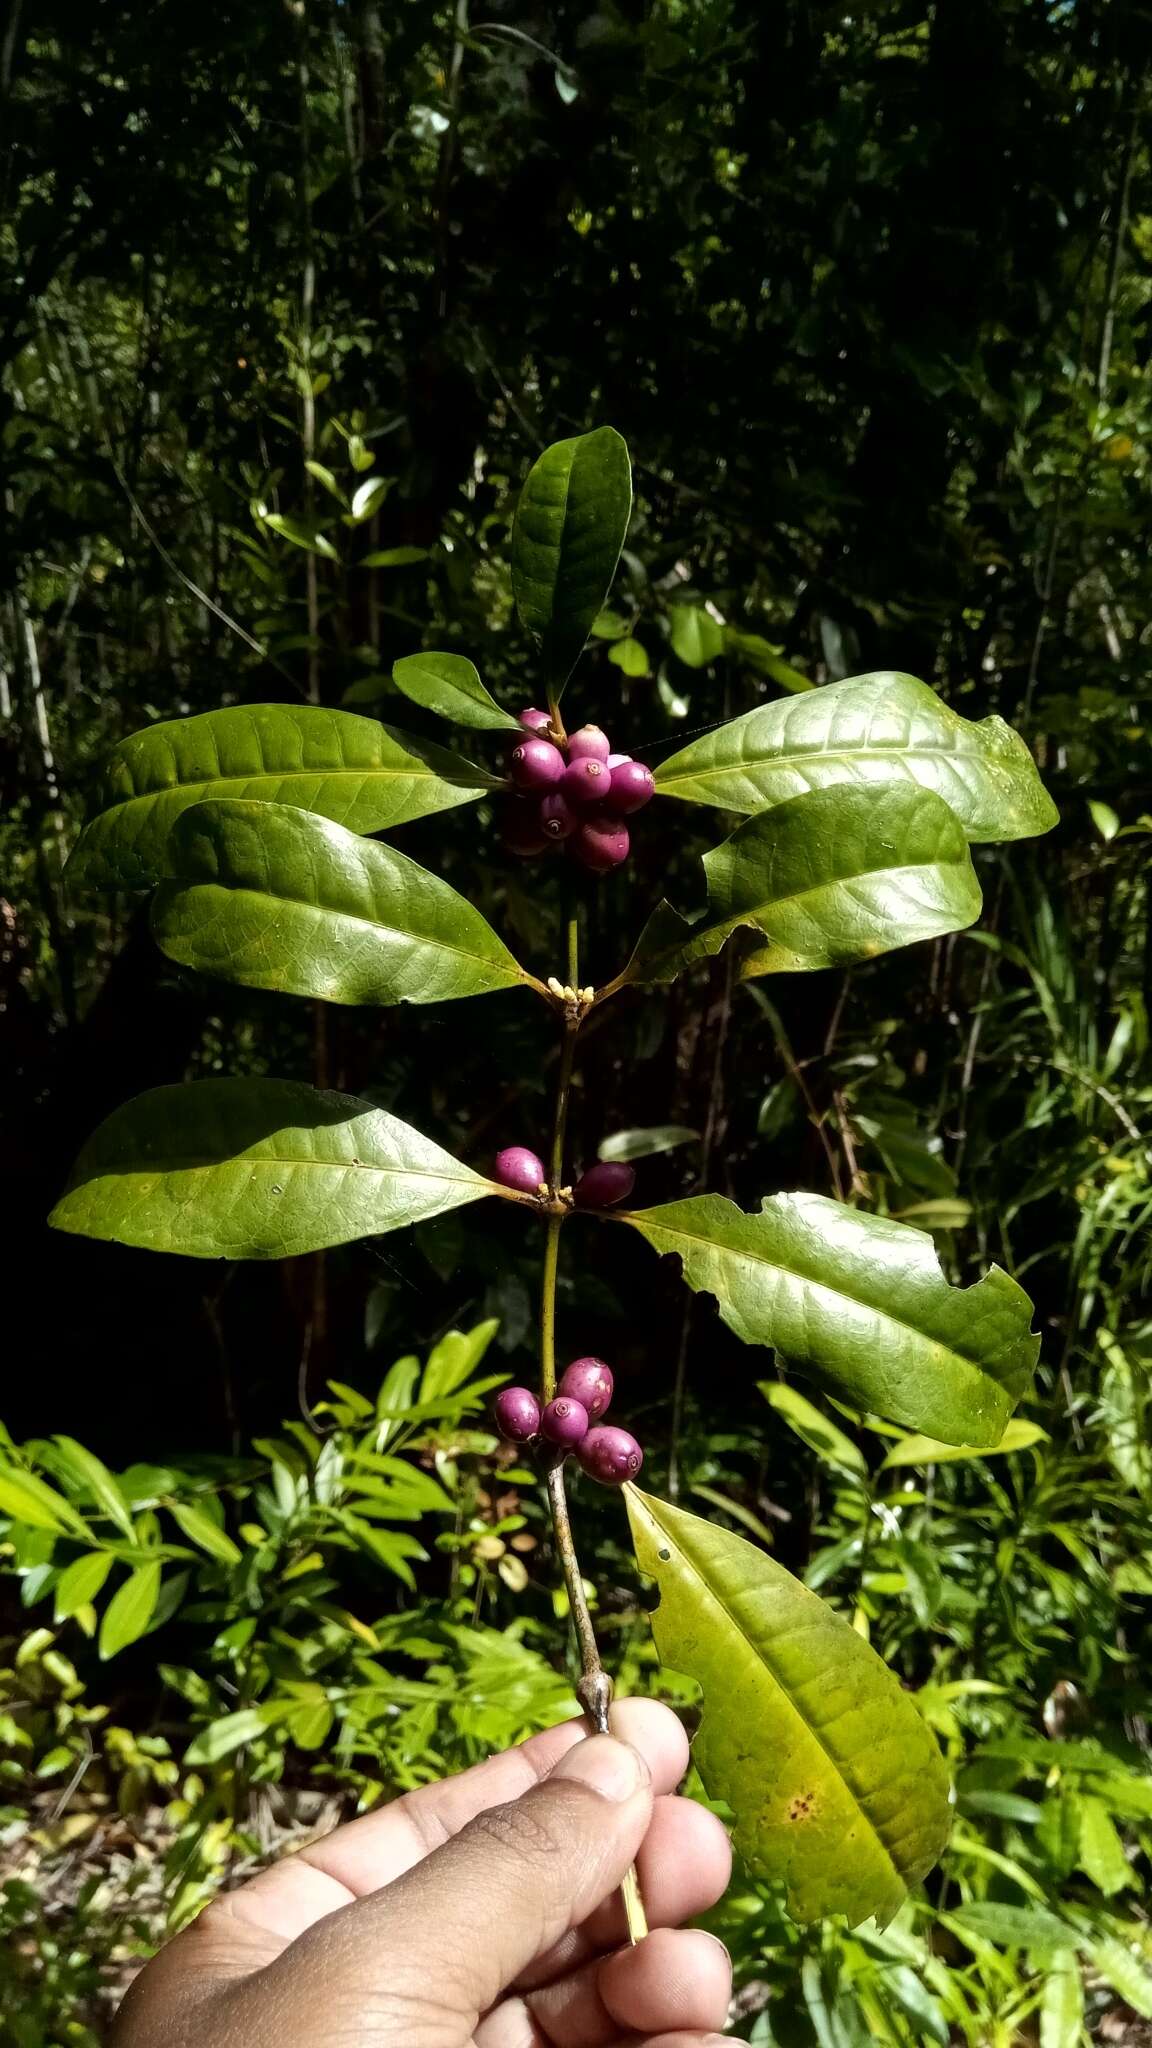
x=571 y=1422
x=577 y=794
x=604 y=1184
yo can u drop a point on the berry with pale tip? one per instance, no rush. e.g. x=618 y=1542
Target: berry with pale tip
x=519 y=1169
x=617 y=760
x=564 y=1422
x=589 y=744
x=586 y=781
x=610 y=1455
x=604 y=1184
x=557 y=819
x=589 y=1381
x=517 y=1413
x=533 y=719
x=536 y=765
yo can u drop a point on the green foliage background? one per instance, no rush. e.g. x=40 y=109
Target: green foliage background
x=870 y=296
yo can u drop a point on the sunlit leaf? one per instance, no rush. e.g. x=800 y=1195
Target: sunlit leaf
x=130 y=1610
x=255 y=1169
x=925 y=1450
x=203 y=1531
x=858 y=1303
x=697 y=638
x=836 y=1782
x=354 y=770
x=450 y=685
x=883 y=728
x=813 y=1427
x=279 y=898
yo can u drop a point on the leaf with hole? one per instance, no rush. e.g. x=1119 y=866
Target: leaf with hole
x=353 y=770
x=859 y=1304
x=836 y=1781
x=256 y=1169
x=450 y=685
x=881 y=728
x=569 y=529
x=278 y=898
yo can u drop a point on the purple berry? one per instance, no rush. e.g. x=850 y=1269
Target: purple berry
x=617 y=760
x=516 y=1167
x=589 y=744
x=536 y=764
x=522 y=830
x=604 y=1184
x=610 y=1455
x=556 y=816
x=589 y=1381
x=585 y=781
x=517 y=1414
x=564 y=1422
x=534 y=719
x=601 y=843
x=633 y=786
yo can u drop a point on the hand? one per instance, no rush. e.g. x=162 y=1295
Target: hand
x=482 y=1912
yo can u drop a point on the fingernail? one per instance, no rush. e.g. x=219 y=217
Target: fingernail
x=611 y=1768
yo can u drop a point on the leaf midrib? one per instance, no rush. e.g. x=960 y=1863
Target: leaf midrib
x=835 y=755
x=252 y=1160
x=281 y=775
x=513 y=973
x=777 y=1266
x=761 y=1658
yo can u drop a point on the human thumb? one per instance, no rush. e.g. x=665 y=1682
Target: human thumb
x=420 y=1960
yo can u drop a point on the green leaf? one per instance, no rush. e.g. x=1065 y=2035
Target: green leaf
x=838 y=876
x=697 y=638
x=455 y=1359
x=324 y=476
x=130 y=1610
x=202 y=1530
x=392 y=558
x=646 y=1141
x=757 y=653
x=301 y=534
x=80 y=1582
x=1029 y=1927
x=97 y=1481
x=450 y=685
x=630 y=656
x=926 y=1450
x=255 y=1169
x=1123 y=1970
x=875 y=728
x=813 y=1428
x=858 y=1303
x=368 y=497
x=1101 y=1852
x=222 y=1738
x=353 y=770
x=29 y=1499
x=569 y=529
x=1062 y=2003
x=278 y=898
x=836 y=1781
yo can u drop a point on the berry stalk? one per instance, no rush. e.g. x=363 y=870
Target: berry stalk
x=595 y=1688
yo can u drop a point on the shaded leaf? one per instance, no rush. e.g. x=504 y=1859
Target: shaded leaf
x=278 y=898
x=836 y=1781
x=696 y=637
x=860 y=1304
x=224 y=1737
x=883 y=728
x=569 y=529
x=631 y=657
x=814 y=1428
x=354 y=770
x=1100 y=1852
x=646 y=1141
x=392 y=558
x=1028 y=1927
x=301 y=534
x=450 y=685
x=255 y=1169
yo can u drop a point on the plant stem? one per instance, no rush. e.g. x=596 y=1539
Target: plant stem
x=595 y=1688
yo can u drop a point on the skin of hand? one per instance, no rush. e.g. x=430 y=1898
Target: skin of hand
x=481 y=1912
